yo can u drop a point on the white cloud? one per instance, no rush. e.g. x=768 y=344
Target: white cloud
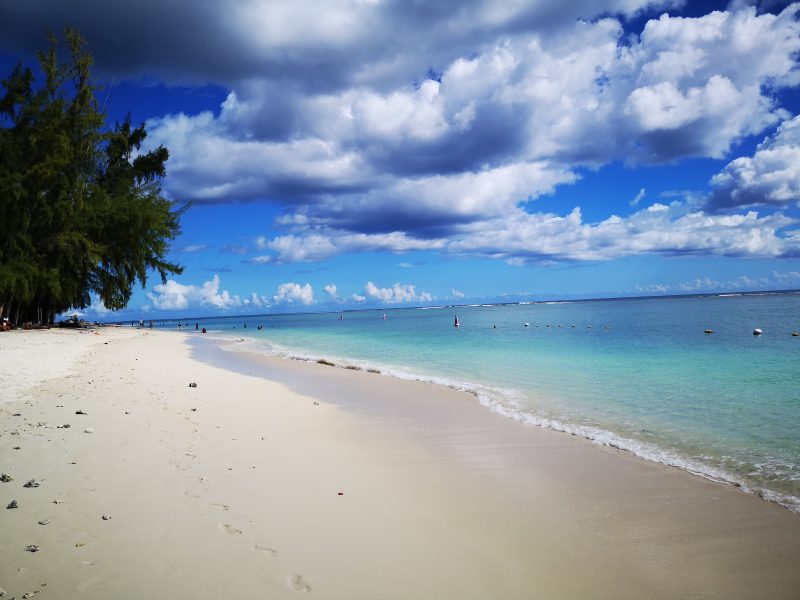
x=191 y=248
x=256 y=300
x=175 y=296
x=326 y=243
x=506 y=123
x=659 y=229
x=358 y=298
x=294 y=293
x=398 y=293
x=457 y=293
x=331 y=290
x=770 y=177
x=638 y=198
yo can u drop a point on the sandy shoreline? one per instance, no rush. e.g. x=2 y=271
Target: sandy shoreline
x=233 y=488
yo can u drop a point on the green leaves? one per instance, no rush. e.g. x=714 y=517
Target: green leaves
x=81 y=206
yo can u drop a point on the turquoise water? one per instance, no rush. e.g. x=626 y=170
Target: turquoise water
x=638 y=374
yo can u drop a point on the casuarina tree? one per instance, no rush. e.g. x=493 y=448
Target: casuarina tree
x=81 y=207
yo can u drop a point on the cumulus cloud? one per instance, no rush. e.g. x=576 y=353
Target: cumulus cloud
x=374 y=164
x=457 y=293
x=710 y=284
x=770 y=177
x=294 y=293
x=397 y=294
x=175 y=296
x=332 y=292
x=659 y=229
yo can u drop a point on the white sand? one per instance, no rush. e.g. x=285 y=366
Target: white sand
x=240 y=497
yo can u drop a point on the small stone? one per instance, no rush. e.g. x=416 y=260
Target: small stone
x=29 y=594
x=64 y=426
x=16 y=448
x=44 y=522
x=32 y=483
x=57 y=501
x=16 y=415
x=12 y=504
x=89 y=430
x=6 y=478
x=194 y=410
x=106 y=518
x=15 y=432
x=32 y=548
x=192 y=385
x=79 y=412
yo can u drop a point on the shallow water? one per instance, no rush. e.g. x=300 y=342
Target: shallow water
x=639 y=374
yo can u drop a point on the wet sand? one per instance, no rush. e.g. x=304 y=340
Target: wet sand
x=274 y=477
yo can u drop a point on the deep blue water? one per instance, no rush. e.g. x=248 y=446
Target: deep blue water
x=639 y=374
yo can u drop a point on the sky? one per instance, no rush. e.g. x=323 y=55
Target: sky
x=354 y=154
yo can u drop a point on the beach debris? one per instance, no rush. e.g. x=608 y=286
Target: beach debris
x=194 y=410
x=5 y=478
x=106 y=518
x=88 y=563
x=15 y=432
x=192 y=384
x=16 y=415
x=316 y=403
x=57 y=501
x=27 y=595
x=64 y=426
x=340 y=494
x=16 y=448
x=298 y=584
x=327 y=363
x=757 y=331
x=32 y=548
x=2 y=592
x=80 y=544
x=31 y=483
x=44 y=522
x=12 y=504
x=89 y=430
x=79 y=412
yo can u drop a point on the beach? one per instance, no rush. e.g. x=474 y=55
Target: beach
x=275 y=477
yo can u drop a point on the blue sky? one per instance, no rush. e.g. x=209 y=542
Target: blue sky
x=363 y=153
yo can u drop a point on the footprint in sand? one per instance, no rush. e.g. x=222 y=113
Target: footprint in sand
x=271 y=551
x=298 y=584
x=230 y=529
x=220 y=506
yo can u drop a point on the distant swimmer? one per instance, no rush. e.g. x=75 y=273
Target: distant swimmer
x=204 y=329
x=456 y=323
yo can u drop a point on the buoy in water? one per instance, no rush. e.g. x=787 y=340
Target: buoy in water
x=757 y=331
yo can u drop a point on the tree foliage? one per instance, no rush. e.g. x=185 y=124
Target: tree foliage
x=81 y=208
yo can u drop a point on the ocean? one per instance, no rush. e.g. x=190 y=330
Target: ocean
x=637 y=374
